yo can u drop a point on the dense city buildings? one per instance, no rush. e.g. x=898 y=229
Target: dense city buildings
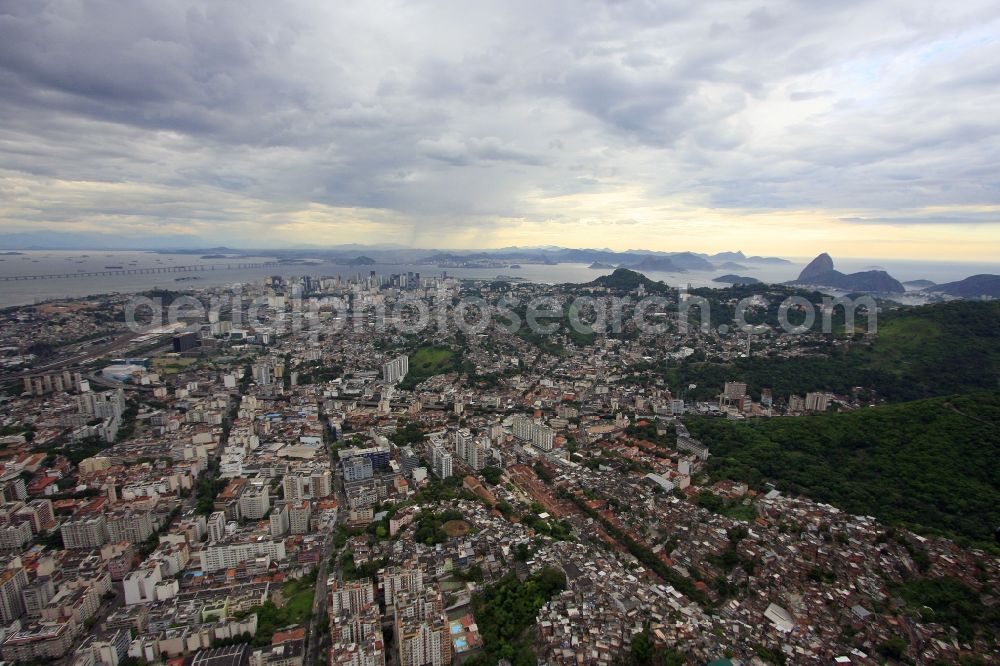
x=285 y=497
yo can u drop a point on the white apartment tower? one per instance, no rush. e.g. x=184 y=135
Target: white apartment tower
x=393 y=371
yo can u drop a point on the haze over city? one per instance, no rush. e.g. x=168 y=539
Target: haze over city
x=780 y=128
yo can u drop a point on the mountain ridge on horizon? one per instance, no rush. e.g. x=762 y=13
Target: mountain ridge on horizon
x=44 y=240
x=188 y=244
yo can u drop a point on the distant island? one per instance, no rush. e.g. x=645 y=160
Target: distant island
x=736 y=279
x=361 y=261
x=213 y=256
x=601 y=266
x=731 y=266
x=11 y=254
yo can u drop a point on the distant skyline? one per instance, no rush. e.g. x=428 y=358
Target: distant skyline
x=781 y=128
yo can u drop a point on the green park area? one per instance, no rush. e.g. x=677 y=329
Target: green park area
x=429 y=361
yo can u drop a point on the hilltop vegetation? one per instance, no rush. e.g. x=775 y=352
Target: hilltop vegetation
x=506 y=611
x=938 y=349
x=929 y=465
x=920 y=352
x=975 y=286
x=623 y=279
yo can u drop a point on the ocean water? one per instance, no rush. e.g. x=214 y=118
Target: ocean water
x=44 y=262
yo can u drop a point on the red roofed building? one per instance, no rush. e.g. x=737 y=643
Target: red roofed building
x=43 y=485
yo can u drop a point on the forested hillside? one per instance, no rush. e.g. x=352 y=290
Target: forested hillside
x=929 y=464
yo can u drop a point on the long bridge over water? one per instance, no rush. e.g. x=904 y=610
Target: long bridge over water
x=198 y=268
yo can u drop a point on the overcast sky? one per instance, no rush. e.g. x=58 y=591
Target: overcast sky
x=860 y=128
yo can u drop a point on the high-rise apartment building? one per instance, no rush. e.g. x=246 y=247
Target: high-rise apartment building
x=90 y=532
x=393 y=371
x=12 y=581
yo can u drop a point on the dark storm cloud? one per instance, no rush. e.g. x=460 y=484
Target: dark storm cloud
x=453 y=114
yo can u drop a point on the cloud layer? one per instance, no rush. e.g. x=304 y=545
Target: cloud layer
x=457 y=124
